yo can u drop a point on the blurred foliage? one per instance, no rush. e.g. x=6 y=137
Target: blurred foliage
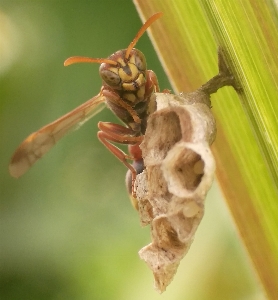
x=67 y=228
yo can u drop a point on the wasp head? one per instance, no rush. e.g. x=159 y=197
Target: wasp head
x=126 y=74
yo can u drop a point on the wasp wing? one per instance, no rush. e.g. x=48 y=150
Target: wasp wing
x=41 y=141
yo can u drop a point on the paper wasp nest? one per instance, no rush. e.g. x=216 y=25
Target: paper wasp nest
x=179 y=169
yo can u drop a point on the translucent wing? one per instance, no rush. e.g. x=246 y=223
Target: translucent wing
x=41 y=141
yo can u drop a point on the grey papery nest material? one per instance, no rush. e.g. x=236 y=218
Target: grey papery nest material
x=179 y=170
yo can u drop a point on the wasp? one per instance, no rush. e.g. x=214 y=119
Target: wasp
x=126 y=89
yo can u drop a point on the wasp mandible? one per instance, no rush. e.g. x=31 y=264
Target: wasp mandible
x=126 y=89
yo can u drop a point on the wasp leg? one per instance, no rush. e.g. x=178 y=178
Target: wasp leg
x=138 y=165
x=119 y=134
x=152 y=82
x=110 y=132
x=116 y=99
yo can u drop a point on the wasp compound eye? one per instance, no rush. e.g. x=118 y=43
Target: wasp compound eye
x=110 y=77
x=140 y=61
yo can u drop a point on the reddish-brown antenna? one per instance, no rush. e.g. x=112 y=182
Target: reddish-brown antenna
x=81 y=59
x=147 y=24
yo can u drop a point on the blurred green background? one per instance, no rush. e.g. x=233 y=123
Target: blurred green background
x=67 y=229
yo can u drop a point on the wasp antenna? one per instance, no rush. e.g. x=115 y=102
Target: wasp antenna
x=81 y=59
x=147 y=24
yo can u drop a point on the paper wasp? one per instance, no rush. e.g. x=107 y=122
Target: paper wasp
x=126 y=90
